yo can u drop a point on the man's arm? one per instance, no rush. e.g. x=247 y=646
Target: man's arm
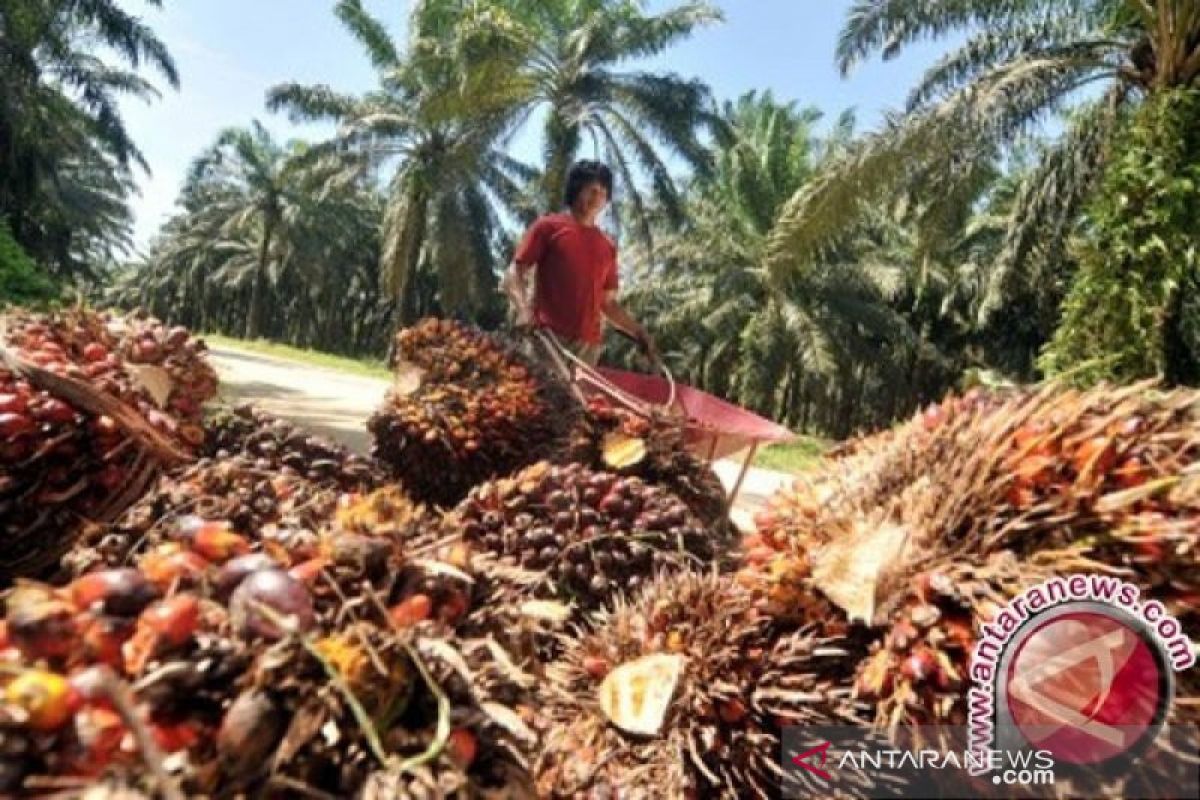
x=518 y=286
x=621 y=318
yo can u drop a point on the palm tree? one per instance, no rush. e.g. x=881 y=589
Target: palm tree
x=443 y=127
x=799 y=355
x=58 y=106
x=254 y=187
x=574 y=55
x=322 y=262
x=1022 y=61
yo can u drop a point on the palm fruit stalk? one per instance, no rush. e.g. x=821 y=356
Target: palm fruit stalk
x=682 y=692
x=465 y=408
x=652 y=448
x=65 y=458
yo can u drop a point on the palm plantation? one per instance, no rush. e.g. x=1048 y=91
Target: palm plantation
x=66 y=158
x=1108 y=61
x=1026 y=213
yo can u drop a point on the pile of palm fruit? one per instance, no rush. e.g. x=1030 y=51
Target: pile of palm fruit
x=529 y=597
x=91 y=405
x=465 y=407
x=920 y=535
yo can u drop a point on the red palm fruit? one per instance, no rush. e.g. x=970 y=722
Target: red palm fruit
x=94 y=352
x=732 y=711
x=173 y=737
x=1096 y=455
x=411 y=610
x=308 y=571
x=12 y=424
x=13 y=403
x=174 y=619
x=597 y=666
x=1131 y=473
x=102 y=638
x=124 y=592
x=39 y=625
x=463 y=746
x=170 y=563
x=216 y=542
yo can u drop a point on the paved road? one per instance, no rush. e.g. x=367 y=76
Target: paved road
x=336 y=404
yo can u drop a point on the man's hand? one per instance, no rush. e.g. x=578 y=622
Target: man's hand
x=647 y=345
x=514 y=286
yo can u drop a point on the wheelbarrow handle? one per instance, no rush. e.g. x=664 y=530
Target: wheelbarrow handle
x=657 y=362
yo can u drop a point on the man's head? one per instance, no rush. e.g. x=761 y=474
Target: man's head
x=589 y=188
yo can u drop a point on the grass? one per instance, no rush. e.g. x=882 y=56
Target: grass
x=796 y=456
x=372 y=368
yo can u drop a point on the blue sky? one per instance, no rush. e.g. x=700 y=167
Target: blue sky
x=229 y=52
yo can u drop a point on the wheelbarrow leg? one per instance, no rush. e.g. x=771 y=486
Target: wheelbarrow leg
x=737 y=486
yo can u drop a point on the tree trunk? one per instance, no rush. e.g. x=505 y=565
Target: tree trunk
x=254 y=315
x=562 y=138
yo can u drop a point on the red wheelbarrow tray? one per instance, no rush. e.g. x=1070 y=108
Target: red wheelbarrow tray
x=715 y=429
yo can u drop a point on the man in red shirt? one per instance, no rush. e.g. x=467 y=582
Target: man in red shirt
x=575 y=286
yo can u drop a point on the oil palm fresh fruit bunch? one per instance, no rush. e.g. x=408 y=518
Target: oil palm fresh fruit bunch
x=652 y=448
x=275 y=444
x=465 y=408
x=570 y=533
x=988 y=502
x=249 y=660
x=160 y=372
x=1107 y=470
x=232 y=494
x=682 y=691
x=73 y=450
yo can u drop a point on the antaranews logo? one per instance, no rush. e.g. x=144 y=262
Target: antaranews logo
x=1078 y=667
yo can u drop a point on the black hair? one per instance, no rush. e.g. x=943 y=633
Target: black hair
x=585 y=172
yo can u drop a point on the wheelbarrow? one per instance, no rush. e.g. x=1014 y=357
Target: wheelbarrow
x=713 y=428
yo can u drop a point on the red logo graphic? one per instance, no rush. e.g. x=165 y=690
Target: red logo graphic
x=802 y=760
x=1086 y=687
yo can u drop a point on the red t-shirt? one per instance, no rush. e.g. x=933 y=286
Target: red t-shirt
x=576 y=265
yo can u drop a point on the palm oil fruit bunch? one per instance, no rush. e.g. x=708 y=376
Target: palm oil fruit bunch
x=72 y=652
x=572 y=533
x=160 y=373
x=256 y=667
x=654 y=449
x=61 y=464
x=683 y=692
x=148 y=342
x=262 y=505
x=273 y=444
x=490 y=744
x=465 y=408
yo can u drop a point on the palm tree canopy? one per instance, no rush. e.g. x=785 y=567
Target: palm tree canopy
x=1022 y=62
x=58 y=106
